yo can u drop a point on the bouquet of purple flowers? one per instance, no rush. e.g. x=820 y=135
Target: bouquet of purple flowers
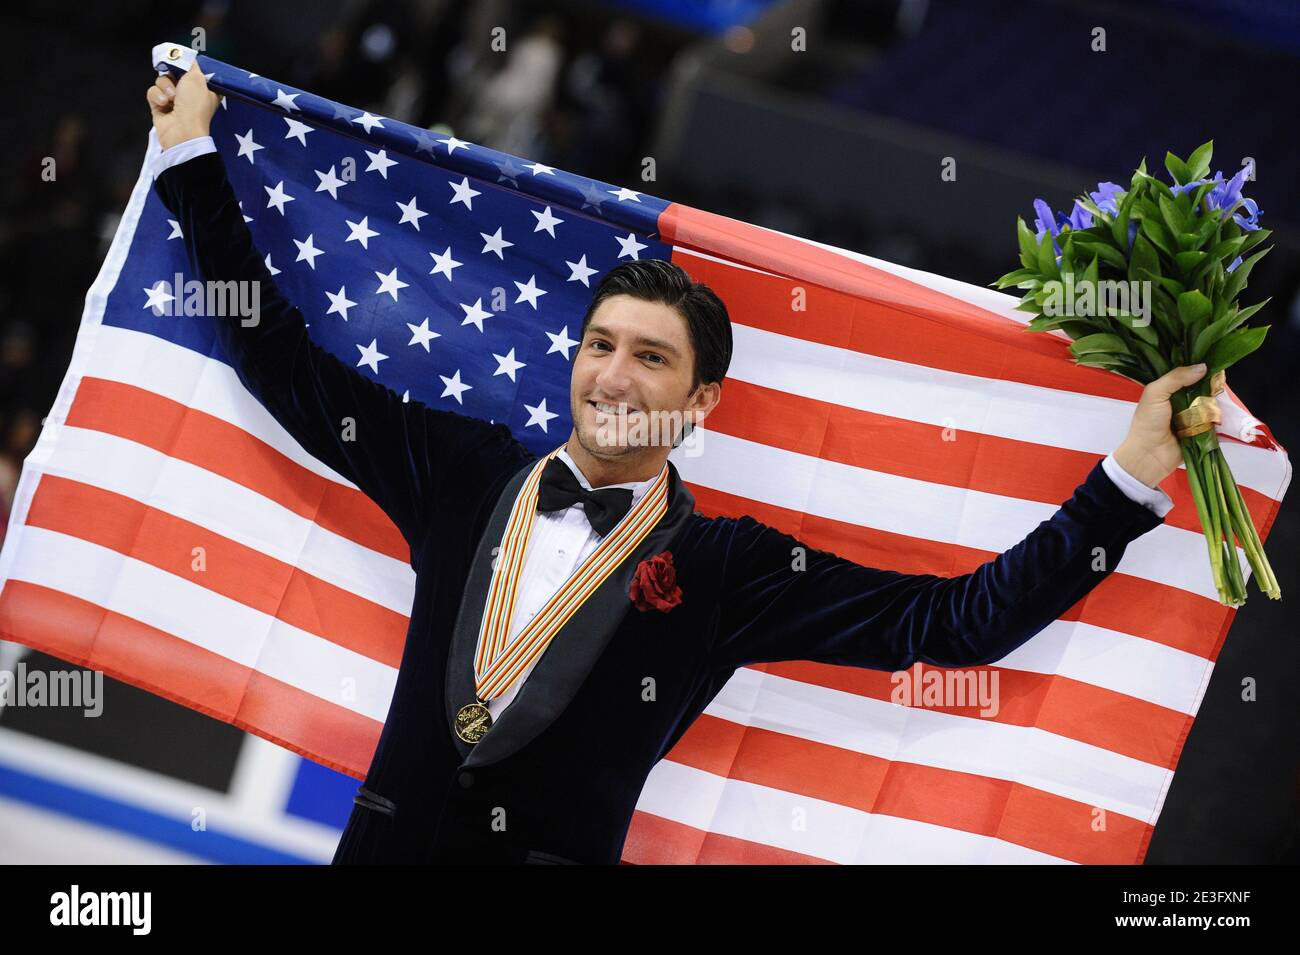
x=1147 y=279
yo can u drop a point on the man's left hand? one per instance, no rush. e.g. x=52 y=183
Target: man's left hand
x=1151 y=451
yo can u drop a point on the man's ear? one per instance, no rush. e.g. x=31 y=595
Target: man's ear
x=706 y=397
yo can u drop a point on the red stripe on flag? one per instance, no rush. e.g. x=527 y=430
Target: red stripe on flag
x=654 y=840
x=997 y=808
x=1073 y=709
x=126 y=649
x=852 y=305
x=218 y=446
x=232 y=570
x=913 y=449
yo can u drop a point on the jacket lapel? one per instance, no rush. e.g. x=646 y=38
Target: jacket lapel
x=561 y=669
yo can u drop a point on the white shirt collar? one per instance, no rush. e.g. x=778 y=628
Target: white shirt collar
x=639 y=488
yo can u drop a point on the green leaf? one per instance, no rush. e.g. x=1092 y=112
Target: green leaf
x=1154 y=358
x=1233 y=347
x=1245 y=313
x=1252 y=238
x=1046 y=253
x=1227 y=249
x=1103 y=249
x=1199 y=194
x=1066 y=241
x=1143 y=259
x=1212 y=280
x=1173 y=286
x=1042 y=323
x=1178 y=169
x=1208 y=336
x=1193 y=306
x=1119 y=227
x=1016 y=278
x=1099 y=342
x=1144 y=333
x=1028 y=245
x=1120 y=364
x=1158 y=235
x=1235 y=282
x=1198 y=163
x=1077 y=328
x=1187 y=261
x=1091 y=272
x=1092 y=207
x=1173 y=216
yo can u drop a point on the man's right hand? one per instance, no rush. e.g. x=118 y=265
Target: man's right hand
x=182 y=111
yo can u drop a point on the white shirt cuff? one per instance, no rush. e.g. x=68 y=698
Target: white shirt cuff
x=1150 y=497
x=181 y=152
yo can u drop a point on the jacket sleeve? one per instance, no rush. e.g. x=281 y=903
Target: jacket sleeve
x=410 y=459
x=837 y=611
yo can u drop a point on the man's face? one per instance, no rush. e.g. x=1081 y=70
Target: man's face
x=635 y=357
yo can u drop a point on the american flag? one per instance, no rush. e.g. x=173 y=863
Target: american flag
x=170 y=533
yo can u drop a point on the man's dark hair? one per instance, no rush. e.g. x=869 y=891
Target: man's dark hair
x=658 y=280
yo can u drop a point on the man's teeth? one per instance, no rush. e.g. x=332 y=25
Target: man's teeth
x=609 y=409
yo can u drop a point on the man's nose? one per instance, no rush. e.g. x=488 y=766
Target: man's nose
x=615 y=375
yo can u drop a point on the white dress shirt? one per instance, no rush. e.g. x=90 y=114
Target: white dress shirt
x=561 y=540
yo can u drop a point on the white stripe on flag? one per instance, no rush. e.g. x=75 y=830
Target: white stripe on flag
x=206 y=619
x=197 y=495
x=815 y=827
x=1057 y=764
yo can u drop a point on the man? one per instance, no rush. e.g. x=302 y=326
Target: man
x=498 y=746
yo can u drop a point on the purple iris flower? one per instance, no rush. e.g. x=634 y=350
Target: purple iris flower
x=1189 y=186
x=1046 y=222
x=1225 y=195
x=1079 y=218
x=1250 y=224
x=1104 y=197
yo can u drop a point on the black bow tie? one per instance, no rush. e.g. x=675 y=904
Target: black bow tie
x=604 y=506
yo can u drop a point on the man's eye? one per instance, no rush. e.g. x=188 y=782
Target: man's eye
x=653 y=355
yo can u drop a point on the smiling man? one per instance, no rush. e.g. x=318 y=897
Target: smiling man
x=573 y=615
x=638 y=381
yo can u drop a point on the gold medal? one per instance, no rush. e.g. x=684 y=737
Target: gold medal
x=472 y=722
x=499 y=663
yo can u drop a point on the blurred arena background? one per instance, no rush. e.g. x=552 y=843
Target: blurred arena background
x=840 y=144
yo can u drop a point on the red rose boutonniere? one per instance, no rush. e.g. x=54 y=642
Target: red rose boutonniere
x=654 y=584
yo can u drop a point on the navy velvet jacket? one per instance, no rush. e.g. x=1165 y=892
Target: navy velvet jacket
x=568 y=758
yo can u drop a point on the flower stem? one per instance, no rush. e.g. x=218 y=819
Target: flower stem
x=1236 y=582
x=1264 y=577
x=1203 y=511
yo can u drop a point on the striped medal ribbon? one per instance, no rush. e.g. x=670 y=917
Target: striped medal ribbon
x=498 y=664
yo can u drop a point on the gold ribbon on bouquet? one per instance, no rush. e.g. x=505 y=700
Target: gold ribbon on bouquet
x=1203 y=413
